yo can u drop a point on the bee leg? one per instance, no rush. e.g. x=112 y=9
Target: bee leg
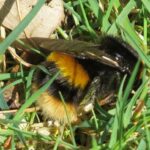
x=90 y=97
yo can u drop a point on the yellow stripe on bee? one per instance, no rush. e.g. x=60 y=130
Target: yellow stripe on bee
x=70 y=68
x=53 y=108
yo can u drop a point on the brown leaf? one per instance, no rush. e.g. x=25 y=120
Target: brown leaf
x=44 y=23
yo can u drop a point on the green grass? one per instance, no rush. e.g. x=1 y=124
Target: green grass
x=123 y=127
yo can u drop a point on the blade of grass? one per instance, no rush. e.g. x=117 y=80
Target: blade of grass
x=147 y=131
x=115 y=126
x=105 y=21
x=21 y=137
x=58 y=141
x=127 y=26
x=119 y=113
x=68 y=119
x=134 y=41
x=128 y=112
x=91 y=31
x=33 y=98
x=29 y=83
x=95 y=8
x=13 y=144
x=142 y=145
x=32 y=134
x=113 y=137
x=95 y=119
x=146 y=3
x=6 y=76
x=70 y=8
x=121 y=17
x=145 y=26
x=31 y=48
x=11 y=85
x=121 y=105
x=64 y=35
x=3 y=103
x=95 y=145
x=15 y=33
x=131 y=131
x=131 y=82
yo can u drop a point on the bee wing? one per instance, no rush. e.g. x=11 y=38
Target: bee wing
x=81 y=50
x=110 y=51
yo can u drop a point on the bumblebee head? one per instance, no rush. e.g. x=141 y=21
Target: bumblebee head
x=122 y=52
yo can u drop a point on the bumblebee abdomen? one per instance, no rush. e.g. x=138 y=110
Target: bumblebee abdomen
x=54 y=109
x=71 y=82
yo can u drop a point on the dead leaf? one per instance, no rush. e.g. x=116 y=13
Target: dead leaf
x=44 y=23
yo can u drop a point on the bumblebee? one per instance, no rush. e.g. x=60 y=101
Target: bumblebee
x=89 y=72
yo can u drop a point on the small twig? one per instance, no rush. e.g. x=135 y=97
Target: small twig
x=3 y=36
x=20 y=17
x=32 y=109
x=18 y=58
x=138 y=108
x=106 y=100
x=3 y=33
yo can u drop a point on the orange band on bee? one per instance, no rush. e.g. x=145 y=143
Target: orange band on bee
x=70 y=68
